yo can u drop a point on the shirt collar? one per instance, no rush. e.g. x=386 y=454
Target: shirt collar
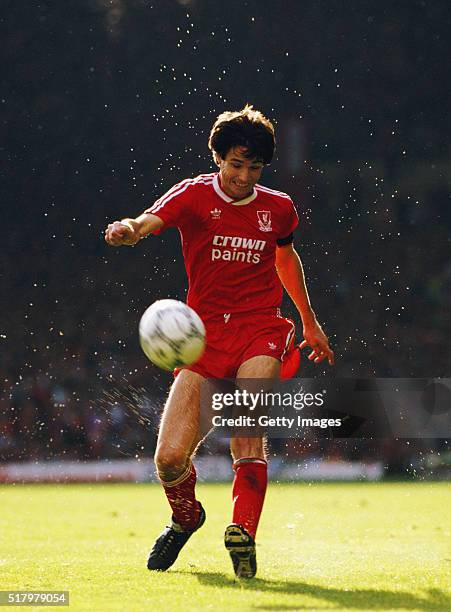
x=230 y=200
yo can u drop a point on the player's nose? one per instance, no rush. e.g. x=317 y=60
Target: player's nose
x=243 y=175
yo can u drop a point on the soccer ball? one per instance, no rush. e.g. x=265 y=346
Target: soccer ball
x=171 y=334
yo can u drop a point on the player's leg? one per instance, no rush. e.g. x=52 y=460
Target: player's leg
x=250 y=481
x=178 y=434
x=249 y=457
x=177 y=439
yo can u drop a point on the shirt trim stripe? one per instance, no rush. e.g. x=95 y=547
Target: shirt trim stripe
x=272 y=191
x=175 y=191
x=192 y=181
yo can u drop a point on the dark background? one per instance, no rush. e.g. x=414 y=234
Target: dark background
x=106 y=104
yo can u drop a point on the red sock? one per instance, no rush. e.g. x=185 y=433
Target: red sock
x=249 y=488
x=182 y=499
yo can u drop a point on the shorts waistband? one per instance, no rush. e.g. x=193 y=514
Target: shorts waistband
x=225 y=317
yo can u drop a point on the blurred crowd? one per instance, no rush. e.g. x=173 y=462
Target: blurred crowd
x=97 y=123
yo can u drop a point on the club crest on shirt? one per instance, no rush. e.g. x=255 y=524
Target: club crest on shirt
x=215 y=213
x=264 y=220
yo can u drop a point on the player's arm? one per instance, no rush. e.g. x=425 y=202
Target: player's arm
x=291 y=273
x=129 y=232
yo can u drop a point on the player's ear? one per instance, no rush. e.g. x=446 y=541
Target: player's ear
x=217 y=158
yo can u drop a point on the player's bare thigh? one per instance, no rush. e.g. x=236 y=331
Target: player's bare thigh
x=264 y=367
x=179 y=433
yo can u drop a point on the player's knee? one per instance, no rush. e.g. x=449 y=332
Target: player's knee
x=170 y=462
x=247 y=447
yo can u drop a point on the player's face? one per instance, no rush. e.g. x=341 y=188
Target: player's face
x=238 y=173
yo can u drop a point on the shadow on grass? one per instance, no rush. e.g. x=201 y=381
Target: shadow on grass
x=366 y=599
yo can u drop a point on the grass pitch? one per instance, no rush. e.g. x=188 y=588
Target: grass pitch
x=321 y=546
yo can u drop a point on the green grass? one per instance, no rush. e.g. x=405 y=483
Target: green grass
x=325 y=546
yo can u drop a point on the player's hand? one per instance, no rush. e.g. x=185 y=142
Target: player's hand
x=316 y=339
x=119 y=234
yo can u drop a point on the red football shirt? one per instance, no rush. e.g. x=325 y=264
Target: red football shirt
x=229 y=246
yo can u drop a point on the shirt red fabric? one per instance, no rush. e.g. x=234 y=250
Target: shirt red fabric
x=228 y=246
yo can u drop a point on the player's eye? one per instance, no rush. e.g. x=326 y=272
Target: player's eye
x=236 y=165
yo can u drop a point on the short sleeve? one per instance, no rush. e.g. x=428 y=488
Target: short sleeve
x=174 y=206
x=290 y=221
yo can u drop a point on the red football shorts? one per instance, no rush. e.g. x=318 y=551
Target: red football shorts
x=233 y=339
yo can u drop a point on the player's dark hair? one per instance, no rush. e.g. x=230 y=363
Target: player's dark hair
x=245 y=128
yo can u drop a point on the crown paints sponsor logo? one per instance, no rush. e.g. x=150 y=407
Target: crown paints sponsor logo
x=237 y=242
x=237 y=248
